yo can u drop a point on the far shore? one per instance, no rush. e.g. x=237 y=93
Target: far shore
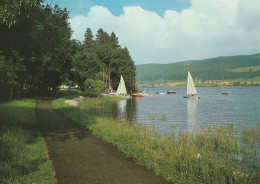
x=182 y=84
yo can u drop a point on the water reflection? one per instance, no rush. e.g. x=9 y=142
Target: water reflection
x=191 y=114
x=126 y=110
x=121 y=105
x=131 y=108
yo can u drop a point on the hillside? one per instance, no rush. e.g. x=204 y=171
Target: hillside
x=231 y=67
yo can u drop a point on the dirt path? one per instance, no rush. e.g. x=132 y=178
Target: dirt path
x=79 y=157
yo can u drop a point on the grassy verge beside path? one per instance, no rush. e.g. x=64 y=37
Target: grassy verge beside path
x=23 y=153
x=208 y=156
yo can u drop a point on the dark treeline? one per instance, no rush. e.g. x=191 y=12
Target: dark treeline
x=37 y=54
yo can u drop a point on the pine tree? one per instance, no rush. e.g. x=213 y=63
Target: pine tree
x=114 y=41
x=88 y=41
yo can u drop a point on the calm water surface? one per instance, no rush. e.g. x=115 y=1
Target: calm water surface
x=174 y=114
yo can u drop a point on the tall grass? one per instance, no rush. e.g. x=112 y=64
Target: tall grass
x=23 y=154
x=208 y=156
x=17 y=112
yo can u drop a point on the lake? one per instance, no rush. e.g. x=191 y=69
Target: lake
x=173 y=114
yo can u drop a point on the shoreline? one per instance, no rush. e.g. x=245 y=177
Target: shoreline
x=199 y=86
x=191 y=153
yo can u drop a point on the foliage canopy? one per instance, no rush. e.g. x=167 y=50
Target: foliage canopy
x=37 y=54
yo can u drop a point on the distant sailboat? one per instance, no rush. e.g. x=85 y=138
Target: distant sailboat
x=191 y=91
x=121 y=90
x=224 y=93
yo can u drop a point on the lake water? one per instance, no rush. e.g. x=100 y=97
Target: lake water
x=174 y=114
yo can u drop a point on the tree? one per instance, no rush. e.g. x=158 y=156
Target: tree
x=12 y=10
x=85 y=65
x=116 y=60
x=38 y=41
x=122 y=64
x=88 y=41
x=113 y=40
x=93 y=88
x=102 y=37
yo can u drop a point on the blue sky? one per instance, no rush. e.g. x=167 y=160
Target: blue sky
x=167 y=31
x=82 y=7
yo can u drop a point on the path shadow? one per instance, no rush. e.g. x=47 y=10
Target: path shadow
x=53 y=124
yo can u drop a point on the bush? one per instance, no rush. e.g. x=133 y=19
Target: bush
x=93 y=88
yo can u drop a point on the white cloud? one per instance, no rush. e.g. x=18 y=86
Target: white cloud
x=209 y=28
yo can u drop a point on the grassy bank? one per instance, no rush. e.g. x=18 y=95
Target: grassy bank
x=209 y=156
x=23 y=153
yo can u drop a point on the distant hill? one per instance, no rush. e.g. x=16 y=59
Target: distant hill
x=231 y=67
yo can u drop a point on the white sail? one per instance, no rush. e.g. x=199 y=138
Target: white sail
x=191 y=90
x=121 y=90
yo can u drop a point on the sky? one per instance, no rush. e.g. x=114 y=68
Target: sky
x=167 y=31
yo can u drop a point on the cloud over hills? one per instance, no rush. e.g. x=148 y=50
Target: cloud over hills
x=209 y=28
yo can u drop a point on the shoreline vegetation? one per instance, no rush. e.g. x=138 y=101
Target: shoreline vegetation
x=207 y=156
x=23 y=154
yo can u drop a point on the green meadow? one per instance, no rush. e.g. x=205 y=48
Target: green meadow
x=212 y=155
x=23 y=154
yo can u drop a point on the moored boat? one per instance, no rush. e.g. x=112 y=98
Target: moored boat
x=225 y=93
x=170 y=92
x=140 y=94
x=137 y=95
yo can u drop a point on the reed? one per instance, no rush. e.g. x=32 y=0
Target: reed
x=23 y=153
x=157 y=117
x=212 y=155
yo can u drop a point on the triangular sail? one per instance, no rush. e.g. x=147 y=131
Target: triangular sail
x=121 y=87
x=191 y=90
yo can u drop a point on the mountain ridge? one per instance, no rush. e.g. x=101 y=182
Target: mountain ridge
x=217 y=68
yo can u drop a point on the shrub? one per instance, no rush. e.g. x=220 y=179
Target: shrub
x=93 y=88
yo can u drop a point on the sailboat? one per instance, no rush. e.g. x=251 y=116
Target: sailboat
x=191 y=91
x=121 y=90
x=224 y=93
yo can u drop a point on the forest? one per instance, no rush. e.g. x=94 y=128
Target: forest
x=38 y=54
x=219 y=68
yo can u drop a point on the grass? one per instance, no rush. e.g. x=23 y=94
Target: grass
x=18 y=112
x=23 y=153
x=207 y=156
x=156 y=117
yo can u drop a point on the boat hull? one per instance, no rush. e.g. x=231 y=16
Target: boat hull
x=137 y=95
x=170 y=92
x=225 y=93
x=192 y=96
